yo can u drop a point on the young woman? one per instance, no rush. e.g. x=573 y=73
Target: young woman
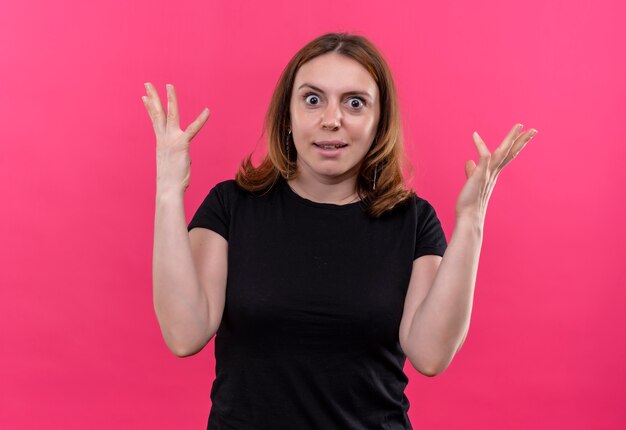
x=318 y=271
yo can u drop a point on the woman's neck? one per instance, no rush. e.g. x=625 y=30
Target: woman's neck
x=339 y=193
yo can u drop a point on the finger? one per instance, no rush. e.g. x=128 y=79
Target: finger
x=148 y=105
x=144 y=99
x=483 y=152
x=195 y=126
x=469 y=168
x=172 y=108
x=519 y=144
x=502 y=152
x=158 y=115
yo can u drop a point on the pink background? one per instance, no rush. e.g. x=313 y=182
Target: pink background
x=81 y=344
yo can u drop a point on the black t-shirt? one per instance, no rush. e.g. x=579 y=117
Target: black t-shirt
x=309 y=338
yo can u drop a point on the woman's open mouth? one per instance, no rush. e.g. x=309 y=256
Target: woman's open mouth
x=331 y=148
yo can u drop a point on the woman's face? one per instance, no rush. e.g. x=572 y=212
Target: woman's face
x=334 y=100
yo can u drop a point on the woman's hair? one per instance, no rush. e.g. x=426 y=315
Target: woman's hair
x=385 y=158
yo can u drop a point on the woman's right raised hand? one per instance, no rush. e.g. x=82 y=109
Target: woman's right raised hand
x=172 y=143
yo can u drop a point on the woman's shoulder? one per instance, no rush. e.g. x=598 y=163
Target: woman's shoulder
x=419 y=200
x=230 y=189
x=411 y=198
x=423 y=206
x=227 y=186
x=415 y=202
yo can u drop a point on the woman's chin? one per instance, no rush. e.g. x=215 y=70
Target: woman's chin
x=330 y=172
x=326 y=170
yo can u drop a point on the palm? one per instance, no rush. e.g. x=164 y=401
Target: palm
x=481 y=178
x=172 y=143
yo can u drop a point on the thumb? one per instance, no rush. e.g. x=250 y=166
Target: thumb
x=469 y=168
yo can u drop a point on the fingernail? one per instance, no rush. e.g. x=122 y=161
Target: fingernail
x=532 y=133
x=520 y=126
x=145 y=85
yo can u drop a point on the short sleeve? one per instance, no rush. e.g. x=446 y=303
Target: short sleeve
x=213 y=212
x=430 y=238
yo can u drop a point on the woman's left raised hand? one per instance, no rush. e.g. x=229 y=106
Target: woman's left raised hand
x=481 y=178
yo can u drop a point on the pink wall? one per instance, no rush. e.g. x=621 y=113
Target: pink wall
x=81 y=345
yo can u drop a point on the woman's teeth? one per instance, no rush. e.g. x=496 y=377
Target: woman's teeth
x=331 y=146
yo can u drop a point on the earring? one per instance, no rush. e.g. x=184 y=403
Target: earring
x=287 y=147
x=375 y=173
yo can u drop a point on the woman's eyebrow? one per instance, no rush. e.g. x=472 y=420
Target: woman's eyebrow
x=348 y=93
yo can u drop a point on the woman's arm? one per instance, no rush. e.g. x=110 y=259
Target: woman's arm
x=180 y=302
x=441 y=320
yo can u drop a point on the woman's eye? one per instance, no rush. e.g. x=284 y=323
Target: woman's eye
x=311 y=99
x=354 y=102
x=359 y=103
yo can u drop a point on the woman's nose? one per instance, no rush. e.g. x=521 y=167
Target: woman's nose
x=331 y=118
